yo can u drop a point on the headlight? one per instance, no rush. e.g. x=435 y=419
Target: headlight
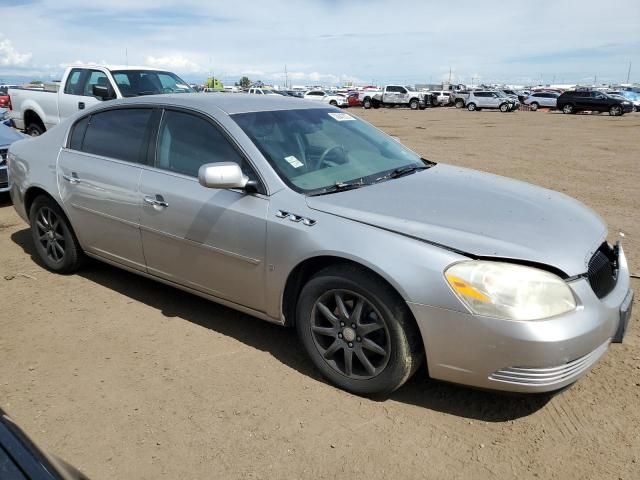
x=509 y=291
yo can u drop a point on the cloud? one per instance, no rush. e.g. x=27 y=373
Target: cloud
x=174 y=62
x=9 y=56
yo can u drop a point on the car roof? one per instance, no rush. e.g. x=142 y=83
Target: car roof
x=210 y=102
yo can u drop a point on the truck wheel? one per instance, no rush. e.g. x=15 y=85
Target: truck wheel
x=568 y=108
x=34 y=130
x=366 y=103
x=375 y=103
x=534 y=106
x=504 y=107
x=414 y=104
x=471 y=107
x=459 y=103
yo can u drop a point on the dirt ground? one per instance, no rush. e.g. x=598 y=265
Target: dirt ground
x=130 y=379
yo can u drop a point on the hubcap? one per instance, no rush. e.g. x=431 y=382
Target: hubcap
x=350 y=334
x=50 y=234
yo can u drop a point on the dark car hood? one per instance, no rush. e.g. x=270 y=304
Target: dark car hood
x=477 y=213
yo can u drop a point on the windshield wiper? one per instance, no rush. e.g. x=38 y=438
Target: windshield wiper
x=339 y=187
x=402 y=171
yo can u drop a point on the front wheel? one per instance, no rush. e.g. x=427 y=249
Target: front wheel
x=534 y=106
x=55 y=242
x=459 y=104
x=505 y=107
x=333 y=103
x=366 y=103
x=471 y=107
x=615 y=110
x=358 y=333
x=414 y=104
x=568 y=108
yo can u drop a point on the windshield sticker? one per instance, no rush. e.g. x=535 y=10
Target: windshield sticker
x=294 y=162
x=341 y=117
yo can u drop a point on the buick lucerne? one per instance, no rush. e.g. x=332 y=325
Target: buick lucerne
x=303 y=215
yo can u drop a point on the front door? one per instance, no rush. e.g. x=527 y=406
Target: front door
x=98 y=177
x=207 y=239
x=78 y=91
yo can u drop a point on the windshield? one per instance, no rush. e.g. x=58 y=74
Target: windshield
x=312 y=149
x=133 y=83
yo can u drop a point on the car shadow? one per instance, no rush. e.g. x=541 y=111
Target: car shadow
x=282 y=344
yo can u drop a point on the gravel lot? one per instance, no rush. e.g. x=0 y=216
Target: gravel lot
x=130 y=379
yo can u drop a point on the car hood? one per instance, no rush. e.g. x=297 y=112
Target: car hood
x=477 y=214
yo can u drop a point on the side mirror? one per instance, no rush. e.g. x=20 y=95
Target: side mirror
x=102 y=92
x=222 y=175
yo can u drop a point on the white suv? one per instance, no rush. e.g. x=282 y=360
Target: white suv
x=480 y=99
x=321 y=96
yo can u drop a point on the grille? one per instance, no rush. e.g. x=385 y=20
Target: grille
x=603 y=270
x=4 y=179
x=550 y=375
x=3 y=156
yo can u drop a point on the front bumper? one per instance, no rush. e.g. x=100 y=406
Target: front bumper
x=518 y=356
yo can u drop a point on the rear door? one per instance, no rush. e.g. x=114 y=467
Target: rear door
x=210 y=240
x=98 y=177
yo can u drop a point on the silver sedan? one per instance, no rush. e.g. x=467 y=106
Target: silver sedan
x=306 y=216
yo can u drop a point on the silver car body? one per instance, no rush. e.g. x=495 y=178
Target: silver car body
x=7 y=136
x=488 y=99
x=244 y=249
x=543 y=99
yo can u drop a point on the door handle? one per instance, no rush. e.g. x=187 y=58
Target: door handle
x=157 y=201
x=73 y=179
x=80 y=105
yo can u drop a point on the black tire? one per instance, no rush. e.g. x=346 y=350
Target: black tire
x=616 y=110
x=334 y=103
x=414 y=104
x=34 y=130
x=471 y=106
x=397 y=350
x=54 y=239
x=375 y=103
x=505 y=107
x=459 y=104
x=366 y=103
x=534 y=106
x=568 y=109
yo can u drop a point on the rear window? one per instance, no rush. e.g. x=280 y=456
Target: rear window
x=119 y=134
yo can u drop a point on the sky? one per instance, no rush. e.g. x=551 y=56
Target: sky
x=330 y=41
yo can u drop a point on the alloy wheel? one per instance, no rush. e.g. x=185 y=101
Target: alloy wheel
x=350 y=334
x=50 y=234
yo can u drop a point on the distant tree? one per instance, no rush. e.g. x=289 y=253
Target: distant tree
x=244 y=82
x=214 y=83
x=35 y=82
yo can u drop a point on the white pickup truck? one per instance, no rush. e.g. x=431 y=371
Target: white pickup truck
x=36 y=111
x=394 y=96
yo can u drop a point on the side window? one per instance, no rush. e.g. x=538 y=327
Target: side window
x=73 y=82
x=77 y=134
x=119 y=134
x=186 y=142
x=96 y=77
x=402 y=90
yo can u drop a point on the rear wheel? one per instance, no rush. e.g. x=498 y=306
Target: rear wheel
x=534 y=106
x=471 y=107
x=53 y=236
x=615 y=110
x=367 y=103
x=34 y=130
x=568 y=108
x=375 y=103
x=358 y=333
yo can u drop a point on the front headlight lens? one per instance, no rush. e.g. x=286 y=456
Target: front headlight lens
x=509 y=291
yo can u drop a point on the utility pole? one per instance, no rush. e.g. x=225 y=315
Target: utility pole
x=286 y=78
x=449 y=75
x=629 y=71
x=126 y=56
